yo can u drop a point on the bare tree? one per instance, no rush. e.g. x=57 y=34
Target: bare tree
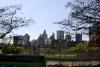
x=84 y=13
x=9 y=20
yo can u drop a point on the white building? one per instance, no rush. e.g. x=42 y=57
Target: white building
x=47 y=41
x=26 y=39
x=21 y=40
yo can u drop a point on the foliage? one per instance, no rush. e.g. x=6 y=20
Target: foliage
x=93 y=49
x=51 y=51
x=84 y=13
x=78 y=48
x=57 y=56
x=11 y=49
x=9 y=20
x=83 y=48
x=27 y=50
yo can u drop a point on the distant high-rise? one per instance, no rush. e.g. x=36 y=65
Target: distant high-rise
x=42 y=38
x=52 y=37
x=26 y=38
x=60 y=35
x=21 y=40
x=44 y=35
x=47 y=41
x=16 y=40
x=68 y=38
x=78 y=37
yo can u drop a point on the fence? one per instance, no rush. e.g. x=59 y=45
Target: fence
x=22 y=61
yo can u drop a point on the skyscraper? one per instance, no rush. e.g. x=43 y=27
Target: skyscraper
x=60 y=35
x=42 y=38
x=52 y=37
x=68 y=38
x=78 y=37
x=44 y=35
x=26 y=38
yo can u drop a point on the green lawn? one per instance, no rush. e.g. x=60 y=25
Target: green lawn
x=57 y=56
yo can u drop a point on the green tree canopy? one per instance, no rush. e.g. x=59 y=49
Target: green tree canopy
x=83 y=48
x=11 y=49
x=78 y=48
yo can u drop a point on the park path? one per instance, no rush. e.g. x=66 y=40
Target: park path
x=68 y=63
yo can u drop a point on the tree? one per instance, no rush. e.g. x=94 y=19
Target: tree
x=11 y=49
x=79 y=48
x=9 y=20
x=84 y=13
x=83 y=48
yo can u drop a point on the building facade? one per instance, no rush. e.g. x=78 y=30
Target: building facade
x=21 y=40
x=68 y=38
x=41 y=39
x=78 y=37
x=60 y=35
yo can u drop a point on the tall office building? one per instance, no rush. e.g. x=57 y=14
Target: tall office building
x=78 y=37
x=52 y=37
x=68 y=38
x=26 y=38
x=44 y=35
x=60 y=35
x=42 y=38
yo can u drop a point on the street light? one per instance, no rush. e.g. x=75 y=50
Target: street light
x=60 y=47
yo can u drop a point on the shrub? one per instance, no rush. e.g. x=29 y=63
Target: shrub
x=11 y=49
x=78 y=48
x=84 y=48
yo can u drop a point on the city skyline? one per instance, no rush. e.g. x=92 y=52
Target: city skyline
x=44 y=13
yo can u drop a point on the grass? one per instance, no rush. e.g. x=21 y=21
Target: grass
x=57 y=56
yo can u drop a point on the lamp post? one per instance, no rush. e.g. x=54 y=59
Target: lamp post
x=60 y=48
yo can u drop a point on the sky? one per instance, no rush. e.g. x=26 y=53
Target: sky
x=43 y=12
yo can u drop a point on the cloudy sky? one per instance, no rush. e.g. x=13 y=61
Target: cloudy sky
x=43 y=12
